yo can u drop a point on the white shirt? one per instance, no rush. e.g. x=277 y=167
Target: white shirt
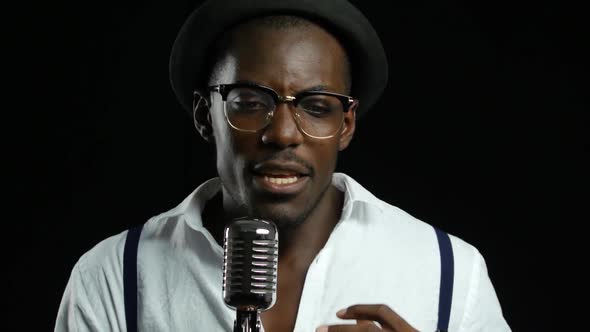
x=376 y=254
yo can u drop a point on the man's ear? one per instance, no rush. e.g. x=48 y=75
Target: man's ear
x=202 y=116
x=348 y=127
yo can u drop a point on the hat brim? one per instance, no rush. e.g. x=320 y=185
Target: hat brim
x=188 y=59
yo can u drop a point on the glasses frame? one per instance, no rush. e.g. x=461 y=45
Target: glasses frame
x=225 y=89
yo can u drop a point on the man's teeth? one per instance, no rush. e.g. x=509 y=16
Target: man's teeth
x=288 y=180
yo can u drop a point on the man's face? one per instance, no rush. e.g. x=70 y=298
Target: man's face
x=278 y=173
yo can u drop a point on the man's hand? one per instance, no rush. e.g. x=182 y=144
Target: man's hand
x=367 y=315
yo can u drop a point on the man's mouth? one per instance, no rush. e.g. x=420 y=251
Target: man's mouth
x=280 y=177
x=280 y=185
x=281 y=180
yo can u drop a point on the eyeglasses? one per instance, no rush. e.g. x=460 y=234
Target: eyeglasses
x=250 y=107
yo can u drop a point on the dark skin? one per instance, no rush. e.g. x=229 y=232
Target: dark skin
x=287 y=60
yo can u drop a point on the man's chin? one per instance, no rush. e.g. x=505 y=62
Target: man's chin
x=281 y=218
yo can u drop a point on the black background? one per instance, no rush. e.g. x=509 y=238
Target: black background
x=482 y=132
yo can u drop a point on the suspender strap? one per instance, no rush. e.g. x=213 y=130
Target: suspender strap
x=130 y=277
x=446 y=280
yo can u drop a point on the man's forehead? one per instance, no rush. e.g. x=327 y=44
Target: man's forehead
x=260 y=41
x=285 y=59
x=267 y=25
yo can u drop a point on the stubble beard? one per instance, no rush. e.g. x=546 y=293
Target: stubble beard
x=285 y=222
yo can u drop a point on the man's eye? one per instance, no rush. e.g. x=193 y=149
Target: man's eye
x=249 y=105
x=317 y=109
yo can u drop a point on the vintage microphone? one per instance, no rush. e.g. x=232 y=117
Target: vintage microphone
x=250 y=257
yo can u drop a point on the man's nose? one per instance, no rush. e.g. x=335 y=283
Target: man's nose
x=282 y=130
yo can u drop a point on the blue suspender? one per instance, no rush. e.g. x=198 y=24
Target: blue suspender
x=446 y=280
x=130 y=278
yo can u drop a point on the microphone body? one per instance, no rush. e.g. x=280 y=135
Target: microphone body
x=250 y=260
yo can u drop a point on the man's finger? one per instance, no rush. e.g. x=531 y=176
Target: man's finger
x=381 y=313
x=350 y=328
x=366 y=321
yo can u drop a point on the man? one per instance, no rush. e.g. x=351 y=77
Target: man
x=276 y=87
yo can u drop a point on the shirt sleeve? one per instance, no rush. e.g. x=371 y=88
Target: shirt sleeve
x=483 y=311
x=75 y=314
x=93 y=299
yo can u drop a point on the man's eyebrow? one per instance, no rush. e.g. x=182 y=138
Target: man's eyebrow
x=320 y=87
x=315 y=88
x=248 y=82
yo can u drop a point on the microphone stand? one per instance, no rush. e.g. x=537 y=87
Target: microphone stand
x=247 y=321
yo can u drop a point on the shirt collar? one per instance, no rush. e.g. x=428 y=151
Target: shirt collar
x=354 y=194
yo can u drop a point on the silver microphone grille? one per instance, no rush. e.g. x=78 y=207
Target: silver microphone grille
x=250 y=257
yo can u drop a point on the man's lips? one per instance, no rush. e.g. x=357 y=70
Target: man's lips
x=276 y=169
x=280 y=177
x=280 y=185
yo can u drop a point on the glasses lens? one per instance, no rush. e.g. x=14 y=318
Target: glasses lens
x=320 y=115
x=248 y=108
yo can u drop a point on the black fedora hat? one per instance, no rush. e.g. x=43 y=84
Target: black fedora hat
x=188 y=59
